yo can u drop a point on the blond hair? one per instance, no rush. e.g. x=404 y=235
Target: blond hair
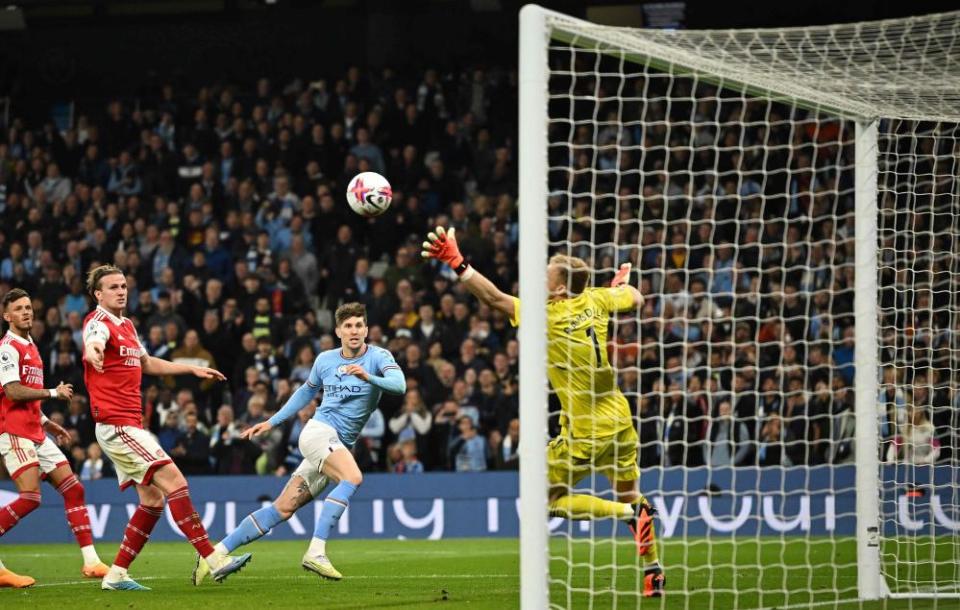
x=575 y=274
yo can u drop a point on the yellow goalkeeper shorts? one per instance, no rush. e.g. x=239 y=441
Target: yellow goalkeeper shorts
x=571 y=459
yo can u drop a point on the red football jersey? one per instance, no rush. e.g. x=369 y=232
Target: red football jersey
x=20 y=361
x=114 y=393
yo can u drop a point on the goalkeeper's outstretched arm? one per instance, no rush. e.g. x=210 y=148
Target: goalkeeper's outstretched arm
x=442 y=245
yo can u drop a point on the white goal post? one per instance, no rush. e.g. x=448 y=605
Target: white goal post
x=867 y=115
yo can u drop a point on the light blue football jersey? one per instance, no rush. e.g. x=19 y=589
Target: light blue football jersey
x=348 y=401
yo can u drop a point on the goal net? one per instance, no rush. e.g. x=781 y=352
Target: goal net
x=789 y=202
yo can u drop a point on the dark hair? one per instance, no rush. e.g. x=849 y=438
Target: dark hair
x=350 y=310
x=14 y=294
x=97 y=274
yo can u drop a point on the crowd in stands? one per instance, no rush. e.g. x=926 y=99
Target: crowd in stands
x=225 y=208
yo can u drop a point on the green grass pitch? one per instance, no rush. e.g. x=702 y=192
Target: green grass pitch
x=469 y=573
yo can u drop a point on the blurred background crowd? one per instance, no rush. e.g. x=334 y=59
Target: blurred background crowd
x=224 y=206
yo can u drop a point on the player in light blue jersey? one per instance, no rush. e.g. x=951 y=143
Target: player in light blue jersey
x=352 y=379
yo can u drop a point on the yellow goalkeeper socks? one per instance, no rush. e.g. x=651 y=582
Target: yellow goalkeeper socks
x=651 y=558
x=580 y=507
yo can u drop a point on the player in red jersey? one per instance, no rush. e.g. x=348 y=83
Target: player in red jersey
x=28 y=454
x=113 y=363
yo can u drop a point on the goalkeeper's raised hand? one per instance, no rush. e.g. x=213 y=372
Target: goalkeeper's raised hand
x=442 y=245
x=622 y=275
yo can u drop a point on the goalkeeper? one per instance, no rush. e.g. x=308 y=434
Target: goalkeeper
x=596 y=428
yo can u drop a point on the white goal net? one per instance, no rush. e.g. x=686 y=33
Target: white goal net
x=789 y=202
x=919 y=330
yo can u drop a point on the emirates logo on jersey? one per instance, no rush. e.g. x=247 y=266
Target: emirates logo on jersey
x=131 y=355
x=130 y=352
x=31 y=375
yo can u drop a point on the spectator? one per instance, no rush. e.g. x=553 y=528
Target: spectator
x=94 y=466
x=403 y=269
x=359 y=288
x=55 y=187
x=468 y=449
x=65 y=371
x=78 y=418
x=124 y=177
x=303 y=365
x=372 y=435
x=305 y=265
x=685 y=422
x=365 y=149
x=496 y=411
x=918 y=443
x=506 y=454
x=729 y=439
x=413 y=422
x=270 y=366
x=410 y=464
x=170 y=431
x=338 y=262
x=770 y=447
x=192 y=353
x=218 y=259
x=231 y=454
x=191 y=451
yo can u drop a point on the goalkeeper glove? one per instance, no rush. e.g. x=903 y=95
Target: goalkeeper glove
x=442 y=245
x=622 y=275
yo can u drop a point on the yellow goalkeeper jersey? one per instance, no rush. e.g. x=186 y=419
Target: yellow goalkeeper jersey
x=592 y=405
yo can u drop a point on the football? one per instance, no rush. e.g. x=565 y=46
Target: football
x=369 y=194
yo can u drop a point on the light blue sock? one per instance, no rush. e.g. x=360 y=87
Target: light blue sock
x=333 y=506
x=255 y=526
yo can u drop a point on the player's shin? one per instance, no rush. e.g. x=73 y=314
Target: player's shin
x=335 y=503
x=12 y=513
x=187 y=519
x=644 y=531
x=75 y=507
x=256 y=525
x=136 y=535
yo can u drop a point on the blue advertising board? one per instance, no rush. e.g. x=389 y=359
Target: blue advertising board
x=691 y=502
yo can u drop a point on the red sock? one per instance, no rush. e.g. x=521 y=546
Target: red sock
x=75 y=505
x=137 y=534
x=18 y=509
x=181 y=507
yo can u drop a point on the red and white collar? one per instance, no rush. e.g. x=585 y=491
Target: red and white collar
x=16 y=337
x=113 y=318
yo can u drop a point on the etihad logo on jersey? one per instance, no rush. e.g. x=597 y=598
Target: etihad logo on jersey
x=131 y=355
x=31 y=375
x=337 y=388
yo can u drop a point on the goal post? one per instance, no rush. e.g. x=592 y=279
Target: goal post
x=788 y=199
x=865 y=324
x=534 y=42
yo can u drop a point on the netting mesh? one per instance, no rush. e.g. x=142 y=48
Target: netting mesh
x=735 y=206
x=907 y=68
x=737 y=215
x=919 y=327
